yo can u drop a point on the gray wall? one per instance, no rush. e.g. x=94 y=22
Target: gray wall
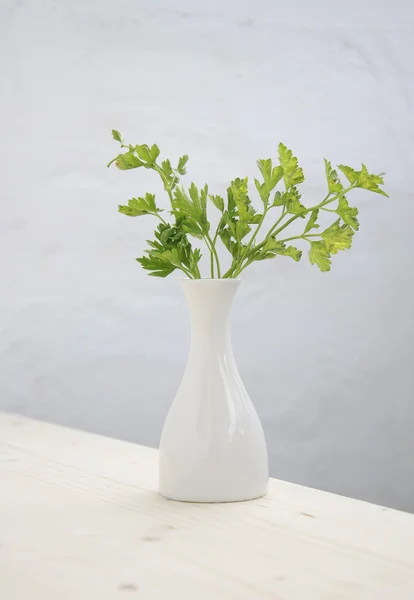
x=88 y=340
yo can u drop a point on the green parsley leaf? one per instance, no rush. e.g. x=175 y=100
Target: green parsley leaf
x=265 y=167
x=334 y=183
x=144 y=153
x=159 y=264
x=192 y=209
x=166 y=167
x=273 y=248
x=371 y=182
x=218 y=202
x=194 y=259
x=181 y=168
x=127 y=161
x=241 y=201
x=280 y=199
x=293 y=174
x=312 y=224
x=290 y=199
x=140 y=206
x=293 y=205
x=170 y=250
x=320 y=255
x=261 y=188
x=154 y=152
x=228 y=239
x=117 y=136
x=347 y=213
x=242 y=229
x=349 y=173
x=363 y=179
x=271 y=177
x=337 y=237
x=277 y=174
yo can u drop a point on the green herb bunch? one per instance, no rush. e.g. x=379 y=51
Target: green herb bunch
x=239 y=224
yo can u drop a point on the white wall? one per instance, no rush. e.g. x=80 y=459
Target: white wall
x=89 y=340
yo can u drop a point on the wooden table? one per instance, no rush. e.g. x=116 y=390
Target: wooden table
x=80 y=519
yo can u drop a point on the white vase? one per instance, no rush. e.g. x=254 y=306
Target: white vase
x=212 y=445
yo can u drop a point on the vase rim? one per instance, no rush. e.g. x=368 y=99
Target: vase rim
x=216 y=279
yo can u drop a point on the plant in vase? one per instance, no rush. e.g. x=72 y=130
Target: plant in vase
x=212 y=446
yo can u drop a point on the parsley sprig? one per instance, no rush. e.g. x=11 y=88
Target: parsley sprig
x=240 y=224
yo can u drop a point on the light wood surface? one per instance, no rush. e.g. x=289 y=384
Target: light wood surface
x=80 y=519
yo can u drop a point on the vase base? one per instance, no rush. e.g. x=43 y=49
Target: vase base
x=213 y=500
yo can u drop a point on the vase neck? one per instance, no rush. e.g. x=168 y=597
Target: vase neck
x=209 y=302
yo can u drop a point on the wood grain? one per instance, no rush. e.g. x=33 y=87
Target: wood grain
x=80 y=519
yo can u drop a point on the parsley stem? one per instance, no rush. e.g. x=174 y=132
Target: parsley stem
x=282 y=216
x=160 y=218
x=240 y=268
x=229 y=272
x=250 y=242
x=240 y=259
x=211 y=264
x=324 y=201
x=165 y=182
x=187 y=272
x=304 y=236
x=213 y=255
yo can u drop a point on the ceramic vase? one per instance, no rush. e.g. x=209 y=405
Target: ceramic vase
x=212 y=445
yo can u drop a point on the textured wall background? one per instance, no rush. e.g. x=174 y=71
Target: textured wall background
x=88 y=340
